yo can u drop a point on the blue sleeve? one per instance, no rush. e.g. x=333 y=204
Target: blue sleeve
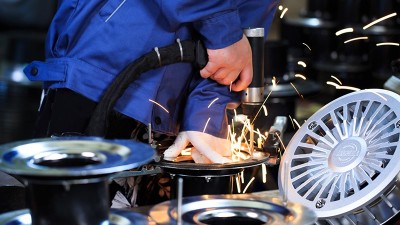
x=198 y=116
x=206 y=107
x=217 y=21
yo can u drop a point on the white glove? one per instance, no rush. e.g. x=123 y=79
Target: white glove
x=206 y=148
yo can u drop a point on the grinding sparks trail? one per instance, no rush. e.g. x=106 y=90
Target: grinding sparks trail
x=307 y=46
x=265 y=110
x=337 y=79
x=387 y=43
x=301 y=63
x=356 y=39
x=205 y=127
x=297 y=123
x=343 y=31
x=300 y=76
x=283 y=12
x=212 y=102
x=248 y=184
x=379 y=20
x=238 y=183
x=337 y=86
x=264 y=173
x=296 y=90
x=159 y=105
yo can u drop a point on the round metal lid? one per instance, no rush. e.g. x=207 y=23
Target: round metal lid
x=117 y=217
x=345 y=155
x=213 y=169
x=231 y=209
x=72 y=156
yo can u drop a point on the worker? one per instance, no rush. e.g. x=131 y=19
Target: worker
x=90 y=42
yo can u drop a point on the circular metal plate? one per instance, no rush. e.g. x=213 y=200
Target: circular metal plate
x=213 y=169
x=346 y=155
x=72 y=156
x=228 y=209
x=117 y=217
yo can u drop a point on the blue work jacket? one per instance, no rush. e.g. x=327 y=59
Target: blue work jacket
x=90 y=42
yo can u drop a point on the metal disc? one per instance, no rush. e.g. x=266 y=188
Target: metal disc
x=72 y=156
x=117 y=217
x=231 y=209
x=345 y=158
x=213 y=169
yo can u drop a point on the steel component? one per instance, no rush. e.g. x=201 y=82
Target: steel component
x=70 y=173
x=346 y=167
x=117 y=217
x=72 y=156
x=232 y=209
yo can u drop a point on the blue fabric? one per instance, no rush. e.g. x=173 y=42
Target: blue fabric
x=90 y=42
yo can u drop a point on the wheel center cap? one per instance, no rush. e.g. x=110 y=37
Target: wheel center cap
x=347 y=154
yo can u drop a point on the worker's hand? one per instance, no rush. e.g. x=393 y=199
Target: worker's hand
x=225 y=65
x=206 y=148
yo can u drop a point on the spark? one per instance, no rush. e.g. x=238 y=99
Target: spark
x=212 y=102
x=307 y=46
x=356 y=39
x=261 y=107
x=301 y=63
x=264 y=173
x=337 y=79
x=343 y=31
x=205 y=127
x=242 y=177
x=238 y=183
x=348 y=88
x=297 y=123
x=379 y=20
x=159 y=105
x=379 y=95
x=292 y=121
x=265 y=110
x=280 y=140
x=280 y=7
x=248 y=184
x=337 y=86
x=296 y=90
x=332 y=83
x=274 y=82
x=230 y=87
x=260 y=134
x=300 y=76
x=387 y=43
x=283 y=13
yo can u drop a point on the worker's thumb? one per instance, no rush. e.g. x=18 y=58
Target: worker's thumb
x=179 y=144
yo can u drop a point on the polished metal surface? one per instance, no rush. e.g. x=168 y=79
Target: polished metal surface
x=117 y=217
x=72 y=156
x=253 y=95
x=344 y=161
x=254 y=32
x=232 y=209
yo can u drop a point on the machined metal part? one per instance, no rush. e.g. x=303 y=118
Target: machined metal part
x=232 y=209
x=344 y=161
x=253 y=95
x=72 y=156
x=117 y=217
x=213 y=169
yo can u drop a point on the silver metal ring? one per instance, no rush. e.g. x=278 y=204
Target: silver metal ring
x=180 y=48
x=158 y=55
